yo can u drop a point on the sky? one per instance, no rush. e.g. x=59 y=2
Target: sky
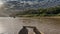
x=13 y=0
x=1 y=2
x=19 y=0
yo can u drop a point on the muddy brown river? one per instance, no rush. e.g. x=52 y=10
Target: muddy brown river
x=9 y=25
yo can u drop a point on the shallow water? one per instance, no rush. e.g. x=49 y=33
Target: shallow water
x=9 y=25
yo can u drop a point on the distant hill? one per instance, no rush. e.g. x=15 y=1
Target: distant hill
x=13 y=7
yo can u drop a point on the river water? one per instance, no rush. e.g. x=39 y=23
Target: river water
x=10 y=25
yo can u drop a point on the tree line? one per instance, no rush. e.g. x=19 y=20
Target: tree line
x=52 y=11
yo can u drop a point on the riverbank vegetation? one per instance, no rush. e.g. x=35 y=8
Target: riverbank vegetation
x=52 y=11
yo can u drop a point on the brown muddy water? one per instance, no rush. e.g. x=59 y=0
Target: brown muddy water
x=9 y=25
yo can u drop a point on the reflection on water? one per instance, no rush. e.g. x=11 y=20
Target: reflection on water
x=9 y=25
